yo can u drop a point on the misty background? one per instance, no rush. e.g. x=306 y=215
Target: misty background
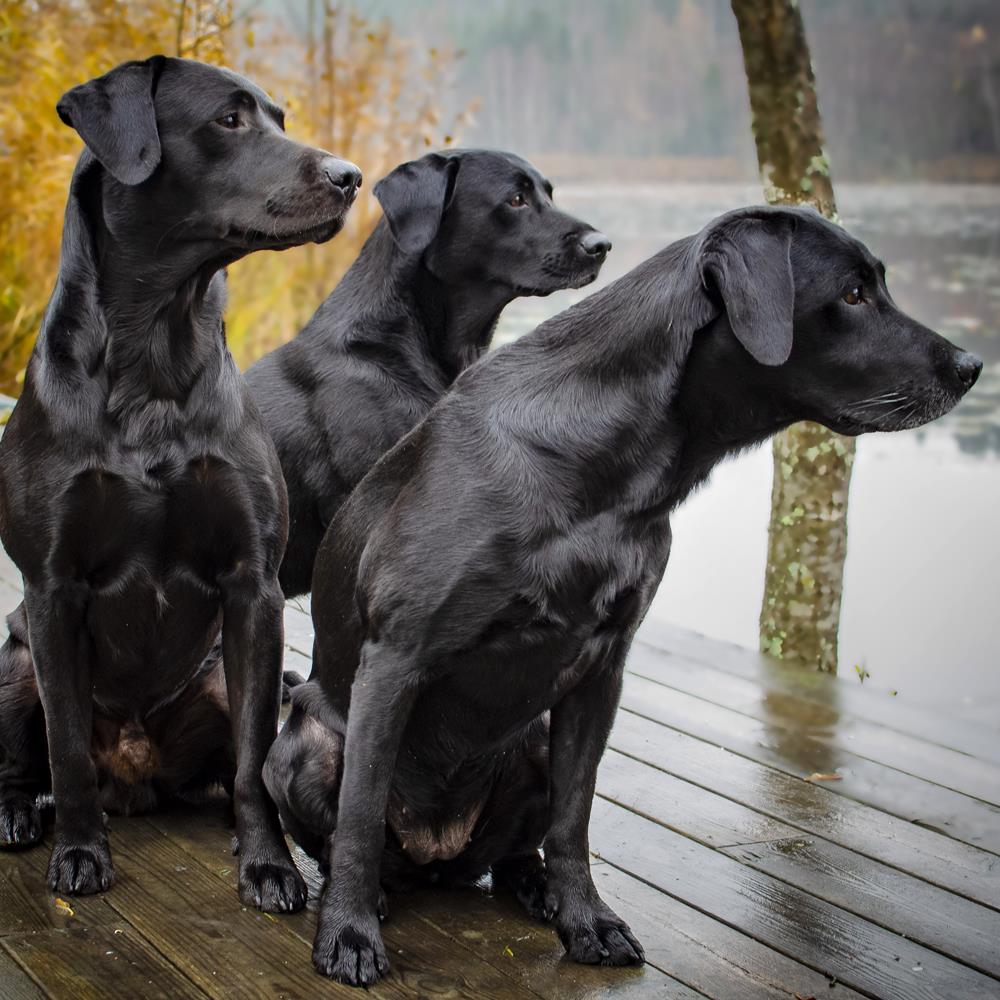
x=638 y=111
x=908 y=88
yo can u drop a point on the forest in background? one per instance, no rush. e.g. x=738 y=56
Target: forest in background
x=615 y=93
x=909 y=88
x=348 y=84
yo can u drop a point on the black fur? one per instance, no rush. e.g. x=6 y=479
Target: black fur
x=475 y=598
x=140 y=495
x=416 y=308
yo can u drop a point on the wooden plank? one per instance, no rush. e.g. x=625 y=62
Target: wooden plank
x=99 y=963
x=294 y=660
x=824 y=721
x=715 y=960
x=864 y=702
x=27 y=905
x=15 y=983
x=198 y=923
x=812 y=809
x=838 y=944
x=298 y=630
x=498 y=931
x=706 y=953
x=682 y=806
x=931 y=916
x=891 y=899
x=424 y=960
x=958 y=816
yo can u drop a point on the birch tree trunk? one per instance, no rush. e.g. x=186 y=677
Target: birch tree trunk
x=807 y=536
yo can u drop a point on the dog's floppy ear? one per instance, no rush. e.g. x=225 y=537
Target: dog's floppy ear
x=115 y=117
x=414 y=197
x=748 y=259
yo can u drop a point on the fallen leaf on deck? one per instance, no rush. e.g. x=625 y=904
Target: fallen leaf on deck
x=820 y=776
x=508 y=952
x=63 y=907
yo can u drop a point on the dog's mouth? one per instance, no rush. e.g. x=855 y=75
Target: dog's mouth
x=282 y=238
x=898 y=409
x=559 y=273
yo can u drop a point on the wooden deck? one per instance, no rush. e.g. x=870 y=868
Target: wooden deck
x=742 y=879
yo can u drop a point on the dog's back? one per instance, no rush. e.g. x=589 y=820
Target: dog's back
x=415 y=309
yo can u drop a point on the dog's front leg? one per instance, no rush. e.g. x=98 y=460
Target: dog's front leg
x=252 y=636
x=589 y=929
x=62 y=651
x=348 y=943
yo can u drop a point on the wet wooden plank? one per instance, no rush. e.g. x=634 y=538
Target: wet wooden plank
x=824 y=721
x=529 y=952
x=959 y=816
x=424 y=960
x=15 y=983
x=705 y=953
x=99 y=963
x=198 y=921
x=863 y=702
x=294 y=660
x=828 y=939
x=812 y=809
x=931 y=916
x=28 y=906
x=682 y=806
x=891 y=899
x=715 y=960
x=298 y=629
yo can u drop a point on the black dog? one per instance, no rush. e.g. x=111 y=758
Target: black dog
x=464 y=234
x=475 y=598
x=140 y=494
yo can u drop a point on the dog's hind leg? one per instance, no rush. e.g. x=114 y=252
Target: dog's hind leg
x=518 y=816
x=24 y=761
x=303 y=770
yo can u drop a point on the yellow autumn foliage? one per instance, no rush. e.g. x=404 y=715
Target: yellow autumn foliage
x=349 y=86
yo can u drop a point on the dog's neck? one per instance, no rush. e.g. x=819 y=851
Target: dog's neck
x=459 y=319
x=142 y=319
x=641 y=412
x=407 y=309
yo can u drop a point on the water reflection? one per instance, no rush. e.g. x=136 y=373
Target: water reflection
x=922 y=573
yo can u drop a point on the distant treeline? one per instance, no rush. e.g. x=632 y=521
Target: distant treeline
x=908 y=88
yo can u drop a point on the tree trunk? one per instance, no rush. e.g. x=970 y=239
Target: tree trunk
x=807 y=536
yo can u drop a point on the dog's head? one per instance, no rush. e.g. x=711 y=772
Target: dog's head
x=806 y=326
x=486 y=218
x=201 y=153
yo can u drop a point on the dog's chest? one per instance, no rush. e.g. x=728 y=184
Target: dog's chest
x=126 y=520
x=146 y=550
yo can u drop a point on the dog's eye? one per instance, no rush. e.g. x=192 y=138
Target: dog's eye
x=855 y=296
x=518 y=201
x=231 y=120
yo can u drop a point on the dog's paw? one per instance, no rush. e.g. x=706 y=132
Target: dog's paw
x=599 y=937
x=591 y=932
x=273 y=886
x=349 y=949
x=80 y=869
x=526 y=879
x=20 y=821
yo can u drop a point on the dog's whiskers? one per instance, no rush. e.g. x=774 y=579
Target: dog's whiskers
x=891 y=396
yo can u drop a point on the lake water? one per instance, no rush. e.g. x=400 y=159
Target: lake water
x=922 y=581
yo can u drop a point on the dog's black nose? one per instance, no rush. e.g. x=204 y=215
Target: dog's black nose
x=968 y=367
x=343 y=175
x=595 y=244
